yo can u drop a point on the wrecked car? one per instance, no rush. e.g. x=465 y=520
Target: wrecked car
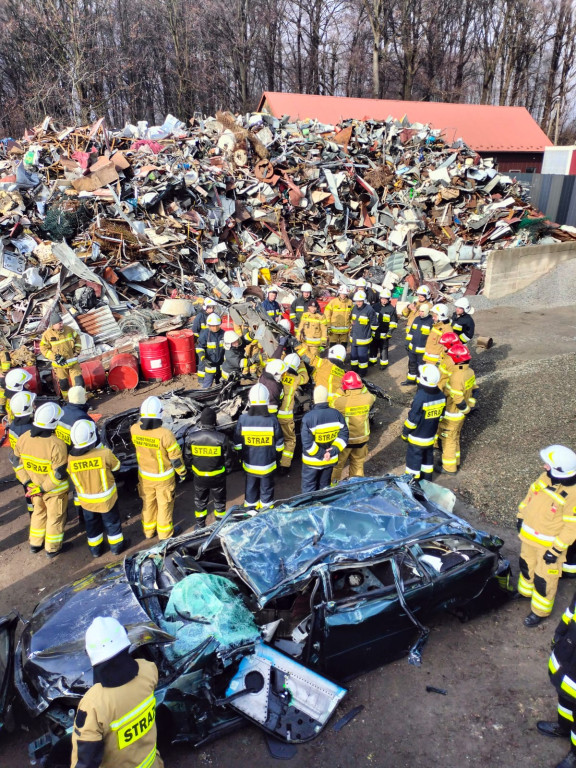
x=250 y=618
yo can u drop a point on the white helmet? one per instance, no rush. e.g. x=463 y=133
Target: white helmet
x=208 y=303
x=285 y=324
x=424 y=309
x=258 y=395
x=83 y=433
x=214 y=319
x=306 y=288
x=276 y=368
x=359 y=296
x=22 y=404
x=343 y=290
x=361 y=283
x=229 y=338
x=47 y=416
x=423 y=291
x=273 y=289
x=320 y=394
x=16 y=379
x=151 y=408
x=292 y=361
x=105 y=638
x=464 y=304
x=285 y=299
x=289 y=298
x=442 y=311
x=561 y=460
x=385 y=293
x=337 y=352
x=428 y=375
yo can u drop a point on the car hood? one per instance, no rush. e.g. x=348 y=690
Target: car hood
x=356 y=521
x=53 y=654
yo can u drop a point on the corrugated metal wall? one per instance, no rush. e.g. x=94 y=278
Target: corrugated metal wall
x=554 y=195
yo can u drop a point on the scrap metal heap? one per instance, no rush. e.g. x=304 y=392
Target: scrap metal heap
x=111 y=223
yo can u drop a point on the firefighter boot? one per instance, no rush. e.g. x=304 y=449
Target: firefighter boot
x=569 y=761
x=532 y=620
x=551 y=728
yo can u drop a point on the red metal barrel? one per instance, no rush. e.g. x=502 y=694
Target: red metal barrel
x=35 y=383
x=93 y=374
x=227 y=323
x=182 y=353
x=155 y=359
x=322 y=303
x=123 y=373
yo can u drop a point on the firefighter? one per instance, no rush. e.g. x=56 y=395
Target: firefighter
x=271 y=378
x=364 y=324
x=16 y=381
x=90 y=467
x=40 y=460
x=159 y=461
x=562 y=672
x=199 y=323
x=210 y=451
x=301 y=303
x=462 y=321
x=115 y=724
x=312 y=332
x=411 y=311
x=74 y=410
x=387 y=322
x=324 y=436
x=338 y=313
x=253 y=361
x=286 y=303
x=546 y=525
x=211 y=351
x=422 y=422
x=446 y=364
x=441 y=325
x=234 y=361
x=354 y=405
x=366 y=287
x=419 y=332
x=271 y=306
x=259 y=437
x=459 y=391
x=61 y=344
x=22 y=405
x=329 y=371
x=5 y=365
x=293 y=378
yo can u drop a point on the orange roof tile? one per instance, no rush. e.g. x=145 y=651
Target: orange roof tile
x=483 y=127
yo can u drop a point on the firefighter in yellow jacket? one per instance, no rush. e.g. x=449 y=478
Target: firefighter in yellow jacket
x=40 y=462
x=90 y=467
x=62 y=345
x=312 y=332
x=159 y=461
x=459 y=390
x=329 y=371
x=546 y=527
x=5 y=365
x=338 y=313
x=354 y=405
x=410 y=312
x=115 y=724
x=441 y=325
x=294 y=378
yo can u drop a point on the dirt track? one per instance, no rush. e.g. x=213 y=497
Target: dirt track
x=493 y=668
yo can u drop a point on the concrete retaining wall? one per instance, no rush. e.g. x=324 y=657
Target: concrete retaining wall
x=512 y=269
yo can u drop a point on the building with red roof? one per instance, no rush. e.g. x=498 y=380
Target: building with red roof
x=509 y=134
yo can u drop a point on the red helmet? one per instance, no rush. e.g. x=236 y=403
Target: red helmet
x=351 y=380
x=449 y=339
x=459 y=353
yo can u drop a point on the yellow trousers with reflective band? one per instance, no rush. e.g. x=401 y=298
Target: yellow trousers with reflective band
x=67 y=377
x=357 y=455
x=339 y=338
x=48 y=520
x=449 y=436
x=157 y=507
x=289 y=432
x=538 y=579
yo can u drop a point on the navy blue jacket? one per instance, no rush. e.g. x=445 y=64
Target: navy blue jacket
x=364 y=324
x=210 y=347
x=425 y=413
x=272 y=309
x=323 y=428
x=71 y=414
x=420 y=330
x=199 y=323
x=209 y=449
x=387 y=319
x=464 y=326
x=298 y=307
x=259 y=437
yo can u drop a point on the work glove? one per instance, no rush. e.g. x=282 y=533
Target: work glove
x=550 y=557
x=181 y=478
x=31 y=489
x=519 y=522
x=60 y=359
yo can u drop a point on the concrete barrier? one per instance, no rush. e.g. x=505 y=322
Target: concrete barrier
x=512 y=269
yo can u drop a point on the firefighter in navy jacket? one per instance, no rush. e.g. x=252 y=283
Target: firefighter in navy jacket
x=259 y=437
x=301 y=303
x=211 y=352
x=422 y=422
x=387 y=322
x=271 y=306
x=419 y=332
x=364 y=326
x=324 y=435
x=462 y=321
x=209 y=449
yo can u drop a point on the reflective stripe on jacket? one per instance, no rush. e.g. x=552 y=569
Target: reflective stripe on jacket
x=329 y=375
x=40 y=458
x=260 y=439
x=355 y=405
x=459 y=388
x=387 y=319
x=338 y=313
x=433 y=349
x=65 y=342
x=92 y=476
x=323 y=429
x=312 y=330
x=208 y=449
x=364 y=325
x=548 y=514
x=464 y=326
x=419 y=332
x=425 y=413
x=157 y=452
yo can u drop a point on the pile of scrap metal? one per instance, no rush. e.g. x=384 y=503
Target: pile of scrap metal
x=124 y=223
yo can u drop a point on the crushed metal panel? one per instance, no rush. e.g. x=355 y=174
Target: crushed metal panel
x=100 y=324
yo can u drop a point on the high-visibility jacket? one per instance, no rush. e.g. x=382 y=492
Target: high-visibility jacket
x=312 y=330
x=459 y=392
x=298 y=308
x=66 y=343
x=290 y=383
x=18 y=426
x=115 y=727
x=355 y=405
x=158 y=454
x=410 y=315
x=210 y=347
x=323 y=429
x=70 y=415
x=419 y=332
x=199 y=323
x=5 y=361
x=364 y=325
x=272 y=309
x=260 y=439
x=338 y=313
x=464 y=326
x=562 y=663
x=548 y=514
x=433 y=348
x=91 y=473
x=387 y=319
x=329 y=375
x=42 y=462
x=208 y=448
x=445 y=366
x=234 y=360
x=425 y=413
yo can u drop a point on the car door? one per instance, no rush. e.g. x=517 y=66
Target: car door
x=362 y=623
x=7 y=645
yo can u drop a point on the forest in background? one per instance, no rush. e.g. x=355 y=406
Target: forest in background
x=77 y=60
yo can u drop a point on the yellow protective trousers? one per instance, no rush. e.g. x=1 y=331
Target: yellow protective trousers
x=48 y=520
x=289 y=433
x=357 y=455
x=539 y=579
x=157 y=507
x=449 y=436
